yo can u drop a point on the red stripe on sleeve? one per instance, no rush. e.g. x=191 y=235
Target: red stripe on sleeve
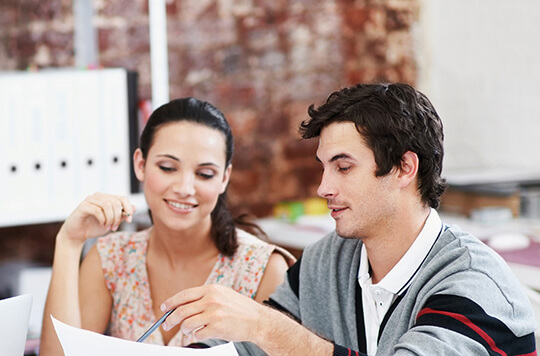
x=469 y=323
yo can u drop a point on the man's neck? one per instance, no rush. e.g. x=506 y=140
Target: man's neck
x=385 y=251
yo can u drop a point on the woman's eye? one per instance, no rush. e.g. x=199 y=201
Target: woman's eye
x=344 y=169
x=166 y=169
x=206 y=175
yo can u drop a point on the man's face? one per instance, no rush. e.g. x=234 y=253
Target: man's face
x=360 y=202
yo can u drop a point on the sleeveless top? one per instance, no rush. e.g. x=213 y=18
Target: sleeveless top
x=123 y=260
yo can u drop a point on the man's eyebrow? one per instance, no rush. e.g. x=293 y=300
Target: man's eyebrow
x=335 y=158
x=339 y=156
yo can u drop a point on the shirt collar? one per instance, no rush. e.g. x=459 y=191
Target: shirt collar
x=399 y=277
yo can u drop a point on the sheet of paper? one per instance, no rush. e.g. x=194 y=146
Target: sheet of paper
x=15 y=312
x=79 y=342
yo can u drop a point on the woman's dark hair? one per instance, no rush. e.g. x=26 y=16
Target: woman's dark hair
x=393 y=119
x=201 y=112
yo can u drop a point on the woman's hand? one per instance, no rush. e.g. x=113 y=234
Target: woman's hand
x=96 y=215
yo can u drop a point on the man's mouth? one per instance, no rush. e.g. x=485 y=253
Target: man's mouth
x=335 y=211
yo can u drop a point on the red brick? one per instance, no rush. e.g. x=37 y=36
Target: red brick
x=243 y=121
x=126 y=9
x=250 y=151
x=399 y=19
x=8 y=16
x=355 y=17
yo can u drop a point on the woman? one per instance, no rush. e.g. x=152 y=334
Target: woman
x=184 y=163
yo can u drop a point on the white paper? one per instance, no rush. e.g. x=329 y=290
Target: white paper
x=35 y=281
x=14 y=313
x=79 y=342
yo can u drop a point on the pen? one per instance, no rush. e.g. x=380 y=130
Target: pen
x=155 y=326
x=124 y=214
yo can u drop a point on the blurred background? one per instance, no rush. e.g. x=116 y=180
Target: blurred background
x=261 y=62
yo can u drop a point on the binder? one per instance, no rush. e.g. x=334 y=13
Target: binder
x=115 y=133
x=63 y=121
x=88 y=164
x=14 y=116
x=66 y=133
x=35 y=143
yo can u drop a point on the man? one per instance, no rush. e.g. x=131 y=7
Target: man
x=392 y=279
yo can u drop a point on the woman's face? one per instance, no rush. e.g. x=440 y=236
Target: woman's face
x=183 y=174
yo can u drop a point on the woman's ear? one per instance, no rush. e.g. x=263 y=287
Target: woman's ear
x=226 y=178
x=408 y=169
x=138 y=164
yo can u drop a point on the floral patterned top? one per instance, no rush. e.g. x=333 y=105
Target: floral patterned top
x=123 y=259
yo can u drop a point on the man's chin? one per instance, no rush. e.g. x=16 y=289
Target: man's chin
x=344 y=234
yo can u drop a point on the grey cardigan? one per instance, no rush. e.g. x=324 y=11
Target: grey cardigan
x=463 y=301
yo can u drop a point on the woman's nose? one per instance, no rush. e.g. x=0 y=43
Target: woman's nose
x=185 y=185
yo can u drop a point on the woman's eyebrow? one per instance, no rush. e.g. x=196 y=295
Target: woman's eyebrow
x=206 y=164
x=169 y=156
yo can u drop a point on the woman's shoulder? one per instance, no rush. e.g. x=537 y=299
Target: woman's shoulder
x=249 y=244
x=245 y=238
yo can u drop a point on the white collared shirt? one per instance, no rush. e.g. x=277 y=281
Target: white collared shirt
x=377 y=298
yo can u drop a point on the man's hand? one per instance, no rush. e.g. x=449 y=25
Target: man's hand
x=214 y=311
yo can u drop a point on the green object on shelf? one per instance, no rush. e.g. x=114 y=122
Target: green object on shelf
x=296 y=209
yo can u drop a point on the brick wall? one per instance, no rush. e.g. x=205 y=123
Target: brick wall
x=261 y=62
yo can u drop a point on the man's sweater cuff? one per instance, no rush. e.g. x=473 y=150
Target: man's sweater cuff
x=344 y=351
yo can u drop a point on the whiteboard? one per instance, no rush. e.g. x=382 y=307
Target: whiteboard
x=64 y=134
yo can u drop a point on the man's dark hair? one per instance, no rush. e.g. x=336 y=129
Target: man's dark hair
x=392 y=119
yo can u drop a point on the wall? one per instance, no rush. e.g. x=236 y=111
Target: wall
x=480 y=67
x=262 y=62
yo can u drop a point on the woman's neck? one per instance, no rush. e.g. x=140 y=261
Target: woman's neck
x=182 y=246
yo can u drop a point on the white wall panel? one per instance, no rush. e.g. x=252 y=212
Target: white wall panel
x=480 y=66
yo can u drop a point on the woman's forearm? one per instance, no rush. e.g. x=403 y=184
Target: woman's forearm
x=63 y=296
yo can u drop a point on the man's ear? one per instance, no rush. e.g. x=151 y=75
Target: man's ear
x=409 y=168
x=138 y=164
x=226 y=178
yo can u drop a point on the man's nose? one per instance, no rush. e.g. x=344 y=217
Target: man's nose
x=325 y=189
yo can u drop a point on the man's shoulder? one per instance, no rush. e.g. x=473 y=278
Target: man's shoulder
x=454 y=241
x=331 y=252
x=332 y=242
x=462 y=254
